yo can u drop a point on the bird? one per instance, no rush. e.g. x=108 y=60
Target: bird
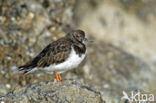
x=59 y=56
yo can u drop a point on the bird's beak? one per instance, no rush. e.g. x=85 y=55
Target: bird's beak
x=88 y=41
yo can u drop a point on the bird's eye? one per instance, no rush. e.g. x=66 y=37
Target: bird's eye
x=77 y=36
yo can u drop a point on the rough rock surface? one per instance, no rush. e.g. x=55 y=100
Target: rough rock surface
x=68 y=91
x=3 y=89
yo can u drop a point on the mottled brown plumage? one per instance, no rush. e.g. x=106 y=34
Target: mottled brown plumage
x=57 y=51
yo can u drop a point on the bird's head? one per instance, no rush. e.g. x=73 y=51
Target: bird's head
x=76 y=36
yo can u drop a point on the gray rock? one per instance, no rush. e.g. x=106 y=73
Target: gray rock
x=113 y=71
x=68 y=91
x=3 y=89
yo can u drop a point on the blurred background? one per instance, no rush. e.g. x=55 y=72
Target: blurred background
x=121 y=58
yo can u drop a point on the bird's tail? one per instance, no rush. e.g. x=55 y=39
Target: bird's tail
x=29 y=66
x=24 y=69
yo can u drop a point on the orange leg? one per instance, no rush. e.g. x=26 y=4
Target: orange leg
x=57 y=76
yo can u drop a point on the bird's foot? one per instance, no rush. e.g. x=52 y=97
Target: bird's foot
x=58 y=77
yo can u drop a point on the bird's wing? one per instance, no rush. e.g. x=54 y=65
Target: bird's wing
x=54 y=53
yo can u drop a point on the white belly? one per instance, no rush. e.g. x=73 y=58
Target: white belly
x=70 y=63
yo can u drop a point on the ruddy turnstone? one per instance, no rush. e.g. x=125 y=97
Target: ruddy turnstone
x=59 y=56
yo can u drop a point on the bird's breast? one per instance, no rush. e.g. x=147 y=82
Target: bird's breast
x=74 y=59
